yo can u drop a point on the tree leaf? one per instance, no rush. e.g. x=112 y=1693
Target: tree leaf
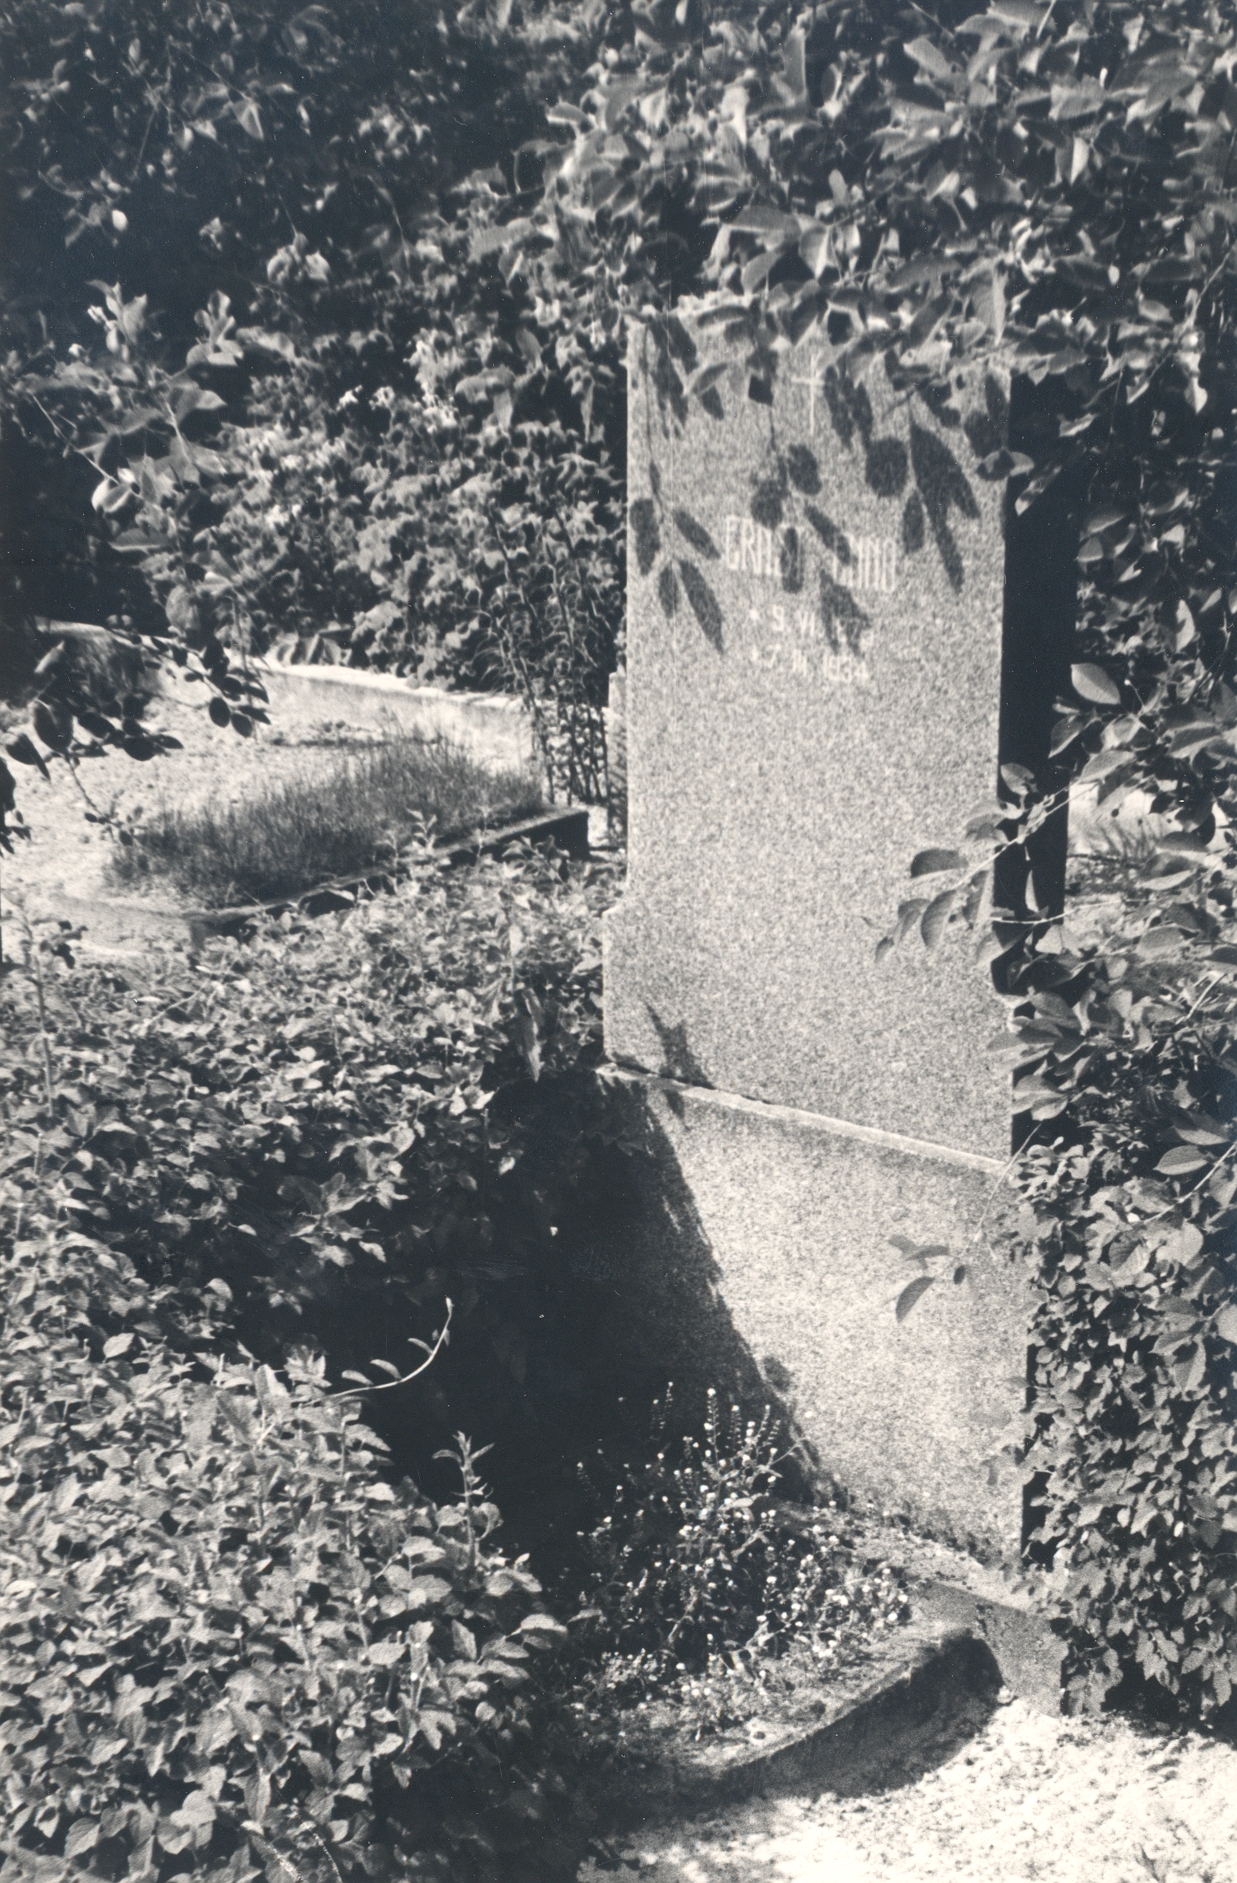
x=1180 y=1161
x=705 y=377
x=543 y=1626
x=1092 y=683
x=1190 y=1368
x=248 y=117
x=1226 y=1324
x=928 y=862
x=425 y=1591
x=26 y=752
x=762 y=219
x=82 y=1836
x=935 y=916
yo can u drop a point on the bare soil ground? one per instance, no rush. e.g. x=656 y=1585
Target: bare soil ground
x=1007 y=1796
x=67 y=856
x=65 y=861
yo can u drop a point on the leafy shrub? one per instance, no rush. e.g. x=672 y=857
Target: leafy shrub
x=225 y=1638
x=345 y=1121
x=101 y=670
x=338 y=823
x=397 y=520
x=350 y=122
x=376 y=442
x=697 y=1577
x=1136 y=1426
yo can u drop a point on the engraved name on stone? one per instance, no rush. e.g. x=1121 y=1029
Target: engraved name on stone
x=868 y=562
x=873 y=564
x=751 y=549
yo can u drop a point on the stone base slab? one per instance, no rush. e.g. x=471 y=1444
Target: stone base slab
x=796 y=1213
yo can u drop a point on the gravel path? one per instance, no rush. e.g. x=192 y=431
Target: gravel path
x=1026 y=1797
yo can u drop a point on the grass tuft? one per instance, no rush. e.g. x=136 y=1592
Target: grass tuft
x=353 y=819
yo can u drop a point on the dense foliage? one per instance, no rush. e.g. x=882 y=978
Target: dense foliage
x=268 y=214
x=697 y=1579
x=225 y=1632
x=342 y=1122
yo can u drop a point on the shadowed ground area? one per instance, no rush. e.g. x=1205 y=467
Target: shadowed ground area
x=1006 y=1798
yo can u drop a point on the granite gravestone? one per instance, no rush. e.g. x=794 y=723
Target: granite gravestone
x=815 y=599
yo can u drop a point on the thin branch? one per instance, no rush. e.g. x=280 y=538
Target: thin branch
x=388 y=1386
x=1021 y=1152
x=1170 y=1209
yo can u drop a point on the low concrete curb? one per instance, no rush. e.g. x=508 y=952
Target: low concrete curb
x=951 y=1592
x=496 y=728
x=123 y=926
x=1021 y=1642
x=934 y=1675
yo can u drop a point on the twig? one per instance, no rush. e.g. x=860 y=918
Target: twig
x=35 y=970
x=992 y=1194
x=388 y=1386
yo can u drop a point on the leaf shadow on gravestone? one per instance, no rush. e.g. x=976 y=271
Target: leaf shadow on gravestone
x=696 y=534
x=849 y=408
x=669 y=387
x=937 y=398
x=885 y=469
x=838 y=407
x=942 y=484
x=850 y=412
x=914 y=527
x=677 y=1058
x=830 y=535
x=679 y=342
x=768 y=500
x=844 y=619
x=703 y=602
x=803 y=469
x=986 y=431
x=644 y=528
x=790 y=556
x=671 y=341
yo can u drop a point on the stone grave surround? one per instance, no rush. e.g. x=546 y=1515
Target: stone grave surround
x=817 y=613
